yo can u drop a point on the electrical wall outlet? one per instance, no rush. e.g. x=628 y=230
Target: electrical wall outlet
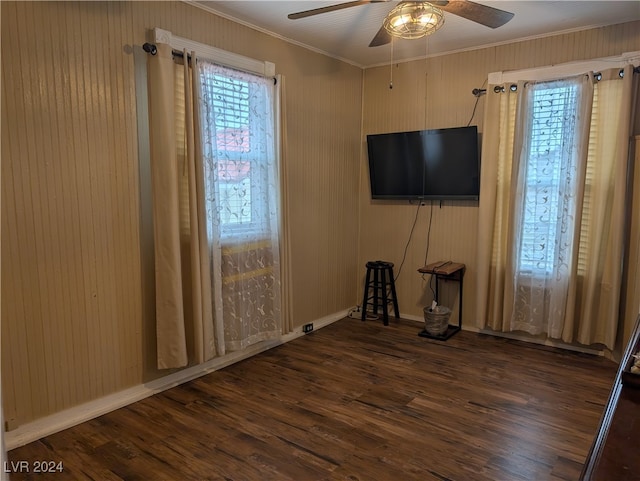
x=307 y=328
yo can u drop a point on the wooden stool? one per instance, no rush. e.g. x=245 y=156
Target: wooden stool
x=380 y=291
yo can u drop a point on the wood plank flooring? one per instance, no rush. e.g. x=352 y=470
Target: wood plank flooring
x=354 y=401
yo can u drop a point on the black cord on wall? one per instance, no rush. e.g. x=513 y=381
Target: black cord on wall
x=404 y=256
x=426 y=253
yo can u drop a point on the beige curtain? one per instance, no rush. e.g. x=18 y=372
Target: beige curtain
x=602 y=241
x=593 y=297
x=184 y=321
x=495 y=205
x=285 y=245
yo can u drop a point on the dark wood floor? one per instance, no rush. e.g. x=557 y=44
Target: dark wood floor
x=354 y=401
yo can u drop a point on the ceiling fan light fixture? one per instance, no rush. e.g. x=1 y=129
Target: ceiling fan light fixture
x=412 y=20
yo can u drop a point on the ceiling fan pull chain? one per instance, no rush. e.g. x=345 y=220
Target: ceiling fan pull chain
x=391 y=67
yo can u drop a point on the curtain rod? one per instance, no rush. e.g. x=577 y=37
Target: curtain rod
x=514 y=87
x=150 y=48
x=153 y=50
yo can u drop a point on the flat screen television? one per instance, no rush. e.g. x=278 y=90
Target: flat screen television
x=437 y=164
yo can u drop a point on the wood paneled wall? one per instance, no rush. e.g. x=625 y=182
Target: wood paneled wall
x=76 y=325
x=436 y=93
x=71 y=305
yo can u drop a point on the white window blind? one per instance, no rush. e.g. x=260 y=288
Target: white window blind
x=232 y=136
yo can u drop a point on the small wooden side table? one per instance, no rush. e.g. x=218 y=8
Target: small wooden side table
x=447 y=271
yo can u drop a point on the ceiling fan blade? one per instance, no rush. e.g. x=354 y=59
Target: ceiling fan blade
x=482 y=14
x=330 y=8
x=382 y=38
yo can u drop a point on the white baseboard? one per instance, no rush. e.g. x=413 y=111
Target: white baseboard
x=542 y=342
x=520 y=337
x=57 y=422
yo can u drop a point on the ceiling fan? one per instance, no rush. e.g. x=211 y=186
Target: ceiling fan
x=406 y=13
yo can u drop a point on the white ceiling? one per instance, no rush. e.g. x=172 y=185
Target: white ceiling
x=346 y=33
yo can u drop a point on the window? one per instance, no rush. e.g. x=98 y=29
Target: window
x=239 y=150
x=231 y=101
x=550 y=177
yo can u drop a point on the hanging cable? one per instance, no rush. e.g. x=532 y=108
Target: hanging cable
x=404 y=256
x=426 y=80
x=426 y=254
